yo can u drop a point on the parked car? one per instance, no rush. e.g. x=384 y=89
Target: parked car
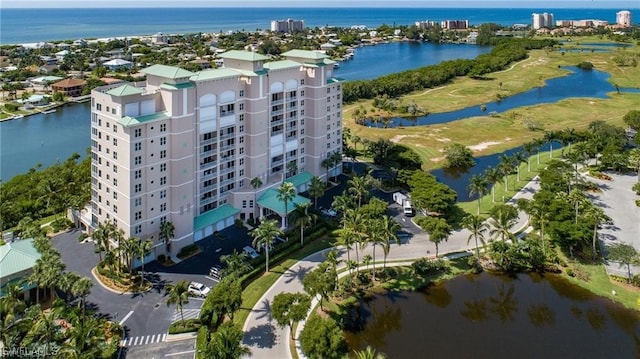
x=263 y=246
x=215 y=272
x=282 y=240
x=250 y=252
x=198 y=289
x=328 y=212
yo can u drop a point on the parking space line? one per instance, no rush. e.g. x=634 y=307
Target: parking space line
x=147 y=341
x=164 y=336
x=126 y=317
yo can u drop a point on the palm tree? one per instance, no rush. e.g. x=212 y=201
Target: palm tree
x=368 y=353
x=129 y=249
x=347 y=238
x=537 y=211
x=342 y=202
x=528 y=149
x=359 y=186
x=81 y=288
x=477 y=185
x=576 y=197
x=101 y=237
x=477 y=226
x=336 y=159
x=506 y=168
x=537 y=143
x=550 y=137
x=388 y=229
x=354 y=220
x=286 y=193
x=167 y=232
x=235 y=263
x=438 y=230
x=302 y=218
x=493 y=176
x=326 y=164
x=87 y=339
x=355 y=139
x=264 y=235
x=144 y=247
x=226 y=343
x=178 y=295
x=597 y=215
x=519 y=158
x=316 y=189
x=255 y=184
x=502 y=221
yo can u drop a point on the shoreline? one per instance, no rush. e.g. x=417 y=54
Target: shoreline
x=45 y=110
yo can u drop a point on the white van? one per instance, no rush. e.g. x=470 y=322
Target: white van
x=407 y=209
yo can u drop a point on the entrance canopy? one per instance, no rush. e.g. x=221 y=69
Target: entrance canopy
x=270 y=201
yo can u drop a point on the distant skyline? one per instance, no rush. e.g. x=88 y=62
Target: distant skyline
x=540 y=4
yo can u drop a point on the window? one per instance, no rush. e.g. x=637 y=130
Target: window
x=241 y=107
x=241 y=173
x=244 y=203
x=328 y=145
x=115 y=182
x=163 y=127
x=301 y=112
x=241 y=150
x=137 y=202
x=163 y=207
x=241 y=117
x=163 y=141
x=328 y=90
x=241 y=93
x=250 y=203
x=99 y=107
x=163 y=219
x=108 y=109
x=163 y=181
x=138 y=216
x=138 y=188
x=115 y=195
x=241 y=140
x=241 y=128
x=328 y=108
x=138 y=160
x=138 y=229
x=241 y=161
x=115 y=128
x=328 y=127
x=328 y=136
x=137 y=174
x=226 y=110
x=163 y=167
x=115 y=169
x=163 y=193
x=137 y=146
x=302 y=82
x=115 y=209
x=302 y=103
x=137 y=132
x=302 y=141
x=113 y=110
x=115 y=155
x=163 y=154
x=115 y=141
x=302 y=93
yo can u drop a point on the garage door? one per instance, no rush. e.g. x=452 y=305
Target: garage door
x=229 y=222
x=220 y=226
x=198 y=235
x=208 y=230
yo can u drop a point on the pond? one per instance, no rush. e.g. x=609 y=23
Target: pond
x=578 y=83
x=493 y=316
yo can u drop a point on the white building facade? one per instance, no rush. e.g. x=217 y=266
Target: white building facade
x=624 y=18
x=544 y=20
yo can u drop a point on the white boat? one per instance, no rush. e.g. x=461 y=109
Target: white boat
x=50 y=111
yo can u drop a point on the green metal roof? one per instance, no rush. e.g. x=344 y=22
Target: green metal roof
x=214 y=74
x=333 y=80
x=306 y=54
x=243 y=55
x=214 y=216
x=252 y=73
x=284 y=64
x=17 y=256
x=179 y=86
x=170 y=72
x=300 y=178
x=132 y=121
x=270 y=200
x=125 y=90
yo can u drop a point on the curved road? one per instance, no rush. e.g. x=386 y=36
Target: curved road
x=267 y=340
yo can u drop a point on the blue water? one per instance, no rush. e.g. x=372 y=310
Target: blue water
x=34 y=25
x=371 y=62
x=579 y=83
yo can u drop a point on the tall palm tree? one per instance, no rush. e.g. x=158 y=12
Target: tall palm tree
x=493 y=176
x=264 y=235
x=550 y=137
x=506 y=168
x=336 y=159
x=477 y=185
x=354 y=220
x=235 y=263
x=256 y=183
x=347 y=238
x=537 y=143
x=528 y=149
x=477 y=226
x=502 y=221
x=519 y=158
x=178 y=295
x=167 y=232
x=101 y=237
x=577 y=198
x=342 y=202
x=130 y=248
x=316 y=189
x=326 y=164
x=359 y=186
x=82 y=288
x=302 y=218
x=597 y=215
x=226 y=343
x=388 y=229
x=86 y=339
x=144 y=247
x=286 y=193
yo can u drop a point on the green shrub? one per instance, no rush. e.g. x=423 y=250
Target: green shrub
x=585 y=65
x=426 y=266
x=238 y=223
x=60 y=224
x=82 y=237
x=636 y=188
x=11 y=107
x=190 y=325
x=188 y=250
x=202 y=340
x=322 y=338
x=162 y=258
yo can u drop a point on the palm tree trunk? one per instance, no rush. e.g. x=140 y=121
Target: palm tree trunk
x=374 y=262
x=478 y=203
x=357 y=258
x=493 y=193
x=595 y=238
x=538 y=157
x=301 y=235
x=477 y=249
x=550 y=149
x=506 y=183
x=528 y=164
x=267 y=265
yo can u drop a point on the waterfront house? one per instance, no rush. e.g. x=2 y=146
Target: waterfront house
x=69 y=87
x=117 y=64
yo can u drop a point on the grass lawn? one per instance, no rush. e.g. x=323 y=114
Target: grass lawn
x=254 y=291
x=508 y=129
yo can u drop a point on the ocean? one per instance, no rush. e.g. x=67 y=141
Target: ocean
x=19 y=26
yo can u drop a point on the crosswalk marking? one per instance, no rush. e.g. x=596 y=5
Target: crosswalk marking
x=188 y=314
x=143 y=340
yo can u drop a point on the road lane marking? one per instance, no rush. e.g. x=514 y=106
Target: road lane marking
x=180 y=353
x=126 y=317
x=164 y=337
x=147 y=341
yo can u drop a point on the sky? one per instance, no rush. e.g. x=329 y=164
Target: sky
x=539 y=4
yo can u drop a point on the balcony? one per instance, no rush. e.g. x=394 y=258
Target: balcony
x=227 y=136
x=208 y=153
x=210 y=141
x=227 y=113
x=277 y=163
x=277 y=112
x=277 y=102
x=277 y=122
x=225 y=183
x=208 y=188
x=226 y=170
x=227 y=158
x=208 y=165
x=206 y=201
x=212 y=174
x=276 y=133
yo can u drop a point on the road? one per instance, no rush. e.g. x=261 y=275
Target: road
x=262 y=334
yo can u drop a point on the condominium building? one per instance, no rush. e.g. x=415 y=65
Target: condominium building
x=624 y=18
x=287 y=25
x=544 y=20
x=188 y=147
x=454 y=24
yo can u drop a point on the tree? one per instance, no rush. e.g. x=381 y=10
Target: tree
x=537 y=211
x=493 y=176
x=81 y=288
x=327 y=163
x=503 y=217
x=550 y=137
x=322 y=339
x=227 y=296
x=178 y=295
x=625 y=255
x=316 y=189
x=255 y=184
x=144 y=247
x=527 y=150
x=336 y=159
x=286 y=193
x=167 y=232
x=302 y=218
x=320 y=282
x=632 y=119
x=388 y=227
x=347 y=237
x=597 y=215
x=438 y=230
x=226 y=343
x=359 y=186
x=477 y=185
x=506 y=167
x=129 y=248
x=264 y=235
x=101 y=237
x=634 y=160
x=368 y=353
x=458 y=156
x=235 y=263
x=518 y=158
x=477 y=226
x=290 y=308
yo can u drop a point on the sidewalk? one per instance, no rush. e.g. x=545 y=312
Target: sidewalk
x=266 y=340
